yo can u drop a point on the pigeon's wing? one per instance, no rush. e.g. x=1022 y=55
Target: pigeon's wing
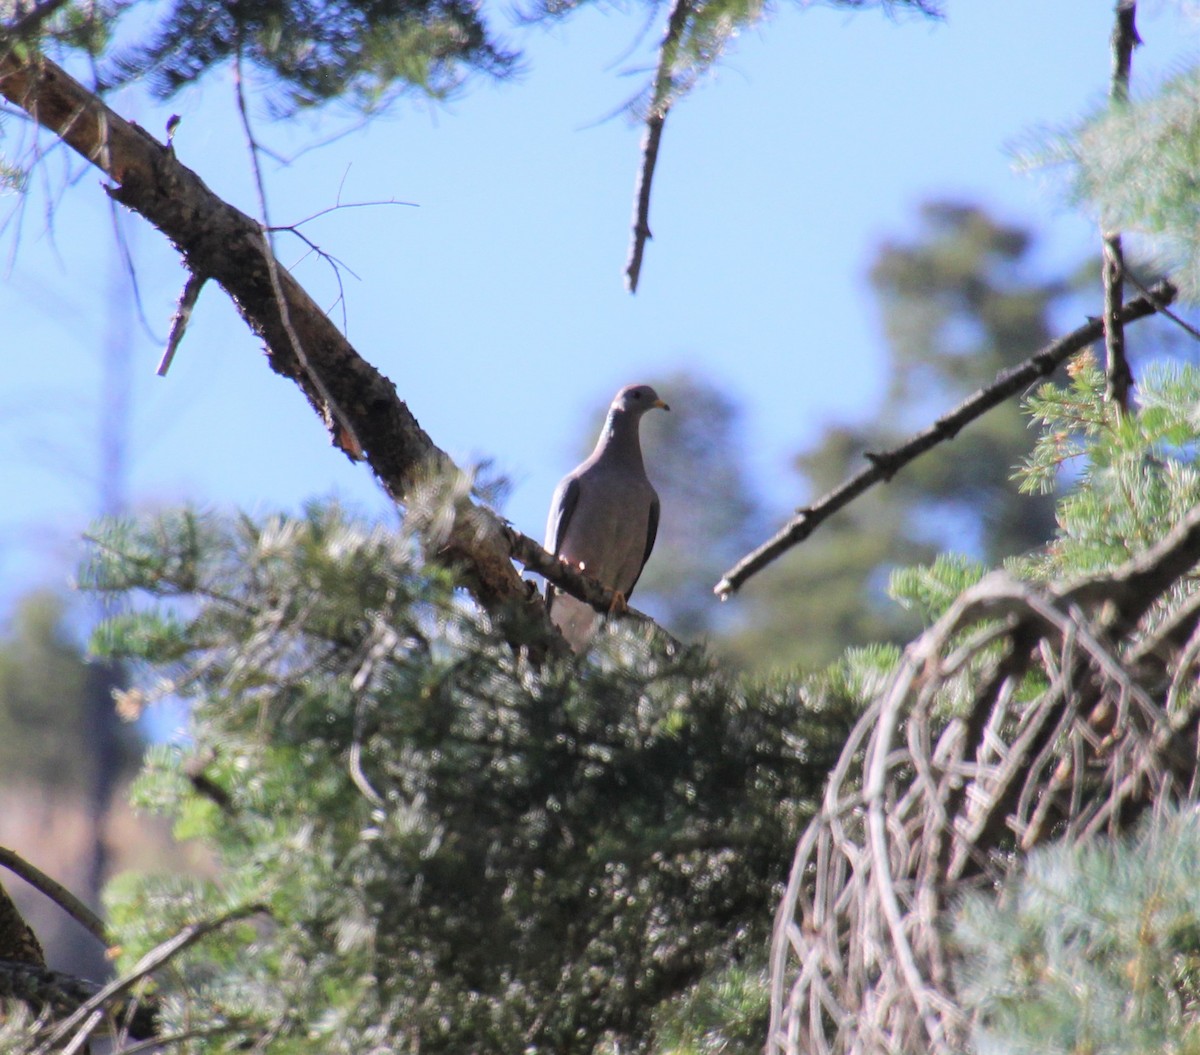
x=651 y=535
x=566 y=498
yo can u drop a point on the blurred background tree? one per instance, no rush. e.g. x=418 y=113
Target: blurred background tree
x=960 y=300
x=48 y=699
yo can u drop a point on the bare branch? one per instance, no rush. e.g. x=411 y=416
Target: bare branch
x=179 y=321
x=337 y=207
x=1120 y=377
x=660 y=106
x=884 y=465
x=571 y=580
x=1163 y=309
x=641 y=206
x=55 y=891
x=223 y=243
x=343 y=430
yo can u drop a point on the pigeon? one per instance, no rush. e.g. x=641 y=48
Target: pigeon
x=604 y=515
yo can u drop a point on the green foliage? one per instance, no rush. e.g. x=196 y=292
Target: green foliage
x=1093 y=948
x=357 y=51
x=1133 y=475
x=697 y=35
x=1136 y=164
x=458 y=851
x=931 y=589
x=727 y=1012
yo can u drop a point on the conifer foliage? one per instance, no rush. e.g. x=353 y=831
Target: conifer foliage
x=424 y=841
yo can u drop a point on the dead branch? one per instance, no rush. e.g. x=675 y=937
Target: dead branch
x=179 y=321
x=569 y=578
x=921 y=808
x=1163 y=309
x=1120 y=377
x=360 y=407
x=660 y=105
x=884 y=465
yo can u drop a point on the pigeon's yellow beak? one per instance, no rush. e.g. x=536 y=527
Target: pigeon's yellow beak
x=660 y=403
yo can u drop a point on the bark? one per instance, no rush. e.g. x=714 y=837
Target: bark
x=18 y=943
x=359 y=405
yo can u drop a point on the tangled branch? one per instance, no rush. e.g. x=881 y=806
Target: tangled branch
x=1024 y=714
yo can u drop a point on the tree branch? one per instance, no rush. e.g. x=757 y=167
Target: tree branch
x=1120 y=377
x=154 y=959
x=222 y=243
x=55 y=891
x=884 y=465
x=61 y=995
x=361 y=410
x=181 y=318
x=570 y=579
x=660 y=105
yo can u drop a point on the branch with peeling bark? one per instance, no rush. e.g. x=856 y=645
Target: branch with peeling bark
x=359 y=405
x=884 y=465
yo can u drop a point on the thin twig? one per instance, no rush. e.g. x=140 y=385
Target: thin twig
x=179 y=321
x=343 y=205
x=883 y=466
x=1163 y=309
x=660 y=105
x=338 y=423
x=334 y=263
x=1120 y=377
x=55 y=891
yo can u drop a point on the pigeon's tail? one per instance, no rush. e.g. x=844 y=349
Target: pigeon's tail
x=576 y=620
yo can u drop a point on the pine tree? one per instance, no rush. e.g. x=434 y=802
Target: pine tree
x=425 y=840
x=1090 y=948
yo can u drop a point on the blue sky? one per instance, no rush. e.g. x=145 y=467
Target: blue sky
x=495 y=302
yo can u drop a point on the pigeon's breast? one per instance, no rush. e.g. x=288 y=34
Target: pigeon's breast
x=609 y=526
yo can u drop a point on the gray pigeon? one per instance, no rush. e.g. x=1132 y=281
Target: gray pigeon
x=604 y=515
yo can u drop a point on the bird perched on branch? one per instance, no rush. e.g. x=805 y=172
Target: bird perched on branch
x=604 y=515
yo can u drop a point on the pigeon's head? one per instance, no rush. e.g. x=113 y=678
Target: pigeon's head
x=637 y=399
